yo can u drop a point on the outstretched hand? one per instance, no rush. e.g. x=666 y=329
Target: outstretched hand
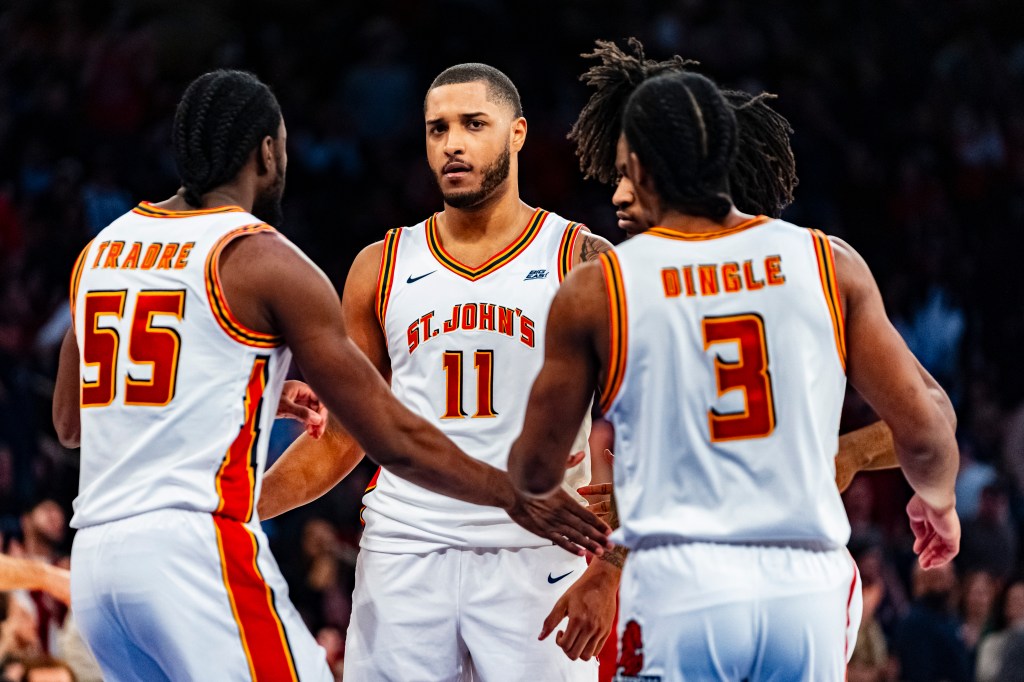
x=589 y=604
x=564 y=521
x=298 y=401
x=936 y=534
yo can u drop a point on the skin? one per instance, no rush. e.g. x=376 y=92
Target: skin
x=466 y=133
x=272 y=287
x=879 y=366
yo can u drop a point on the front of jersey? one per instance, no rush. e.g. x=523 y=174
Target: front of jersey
x=465 y=345
x=725 y=385
x=178 y=397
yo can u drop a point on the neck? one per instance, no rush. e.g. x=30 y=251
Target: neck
x=233 y=194
x=680 y=222
x=502 y=212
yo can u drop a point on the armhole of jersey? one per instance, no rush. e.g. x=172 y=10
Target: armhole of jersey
x=830 y=287
x=617 y=328
x=568 y=247
x=76 y=279
x=218 y=301
x=386 y=275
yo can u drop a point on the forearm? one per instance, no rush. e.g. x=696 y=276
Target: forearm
x=867 y=449
x=930 y=461
x=613 y=559
x=308 y=469
x=26 y=574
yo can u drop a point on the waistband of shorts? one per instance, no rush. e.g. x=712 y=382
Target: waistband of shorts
x=656 y=541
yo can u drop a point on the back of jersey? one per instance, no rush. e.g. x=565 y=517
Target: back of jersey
x=725 y=385
x=178 y=396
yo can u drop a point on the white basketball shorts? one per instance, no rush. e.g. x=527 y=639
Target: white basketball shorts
x=182 y=595
x=460 y=614
x=701 y=611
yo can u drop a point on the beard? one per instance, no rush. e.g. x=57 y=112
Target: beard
x=494 y=175
x=267 y=206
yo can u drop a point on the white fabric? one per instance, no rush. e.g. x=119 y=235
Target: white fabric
x=671 y=480
x=460 y=614
x=149 y=595
x=739 y=612
x=401 y=516
x=138 y=458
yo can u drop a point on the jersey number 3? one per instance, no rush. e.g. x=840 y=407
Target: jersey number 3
x=748 y=374
x=148 y=344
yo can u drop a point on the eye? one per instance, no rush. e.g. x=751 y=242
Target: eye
x=475 y=125
x=437 y=128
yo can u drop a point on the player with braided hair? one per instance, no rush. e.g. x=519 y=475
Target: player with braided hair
x=722 y=343
x=186 y=315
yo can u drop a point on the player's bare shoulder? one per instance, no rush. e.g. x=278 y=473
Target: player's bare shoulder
x=589 y=245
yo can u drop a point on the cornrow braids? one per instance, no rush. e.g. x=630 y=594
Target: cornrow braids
x=763 y=175
x=682 y=129
x=221 y=118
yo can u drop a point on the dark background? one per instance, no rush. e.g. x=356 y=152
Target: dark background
x=909 y=140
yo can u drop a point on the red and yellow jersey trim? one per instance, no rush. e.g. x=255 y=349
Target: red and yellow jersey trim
x=503 y=257
x=830 y=287
x=150 y=211
x=567 y=248
x=386 y=275
x=236 y=478
x=618 y=331
x=668 y=233
x=76 y=280
x=268 y=652
x=370 y=487
x=218 y=303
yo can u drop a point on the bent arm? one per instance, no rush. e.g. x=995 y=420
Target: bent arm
x=562 y=392
x=303 y=306
x=67 y=411
x=885 y=372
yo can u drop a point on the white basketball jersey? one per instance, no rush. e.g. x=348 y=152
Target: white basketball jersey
x=725 y=383
x=178 y=397
x=465 y=346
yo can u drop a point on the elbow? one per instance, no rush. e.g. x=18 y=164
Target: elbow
x=530 y=481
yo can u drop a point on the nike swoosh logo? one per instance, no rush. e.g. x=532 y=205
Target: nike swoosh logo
x=555 y=580
x=416 y=279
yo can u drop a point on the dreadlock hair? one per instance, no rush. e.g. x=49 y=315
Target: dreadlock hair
x=763 y=175
x=221 y=118
x=499 y=86
x=684 y=132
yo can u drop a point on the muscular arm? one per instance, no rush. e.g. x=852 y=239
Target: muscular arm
x=67 y=415
x=309 y=468
x=28 y=574
x=588 y=246
x=294 y=298
x=561 y=394
x=885 y=372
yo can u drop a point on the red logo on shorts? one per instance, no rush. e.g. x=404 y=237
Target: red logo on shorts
x=631 y=653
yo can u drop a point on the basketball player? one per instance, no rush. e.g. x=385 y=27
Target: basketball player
x=721 y=343
x=453 y=310
x=186 y=314
x=761 y=180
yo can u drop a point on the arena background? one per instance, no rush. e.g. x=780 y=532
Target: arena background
x=909 y=140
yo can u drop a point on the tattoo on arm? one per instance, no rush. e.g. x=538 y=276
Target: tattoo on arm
x=591 y=246
x=617 y=556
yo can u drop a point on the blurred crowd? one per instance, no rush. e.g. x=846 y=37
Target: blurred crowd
x=909 y=140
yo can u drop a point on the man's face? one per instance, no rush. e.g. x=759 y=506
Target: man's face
x=629 y=211
x=46 y=520
x=470 y=141
x=267 y=205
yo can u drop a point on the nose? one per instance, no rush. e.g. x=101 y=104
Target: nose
x=623 y=195
x=454 y=143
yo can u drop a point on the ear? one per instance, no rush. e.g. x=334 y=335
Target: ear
x=517 y=134
x=265 y=156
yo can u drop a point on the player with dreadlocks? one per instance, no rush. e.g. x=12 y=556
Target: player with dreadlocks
x=761 y=181
x=722 y=343
x=186 y=314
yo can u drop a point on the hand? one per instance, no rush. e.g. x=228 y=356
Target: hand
x=563 y=520
x=936 y=533
x=589 y=604
x=601 y=508
x=298 y=401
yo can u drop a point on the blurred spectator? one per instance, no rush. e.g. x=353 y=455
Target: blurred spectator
x=977 y=598
x=927 y=641
x=1001 y=653
x=989 y=540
